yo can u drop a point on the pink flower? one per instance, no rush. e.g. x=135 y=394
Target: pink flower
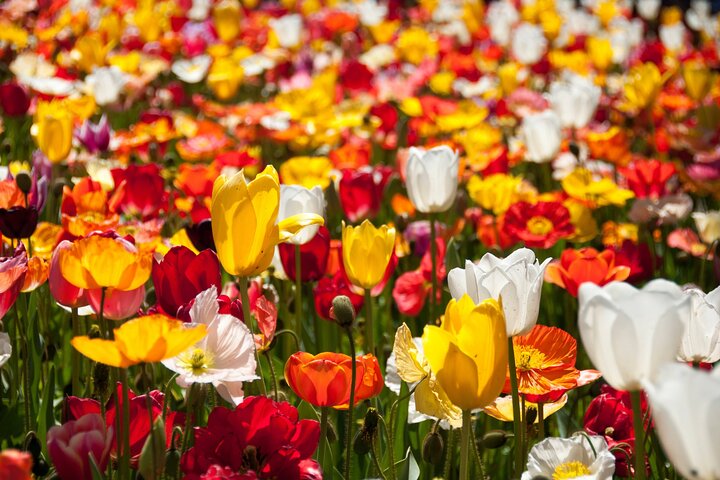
x=71 y=445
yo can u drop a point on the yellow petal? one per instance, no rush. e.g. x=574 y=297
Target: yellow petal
x=432 y=400
x=290 y=226
x=411 y=365
x=101 y=351
x=502 y=408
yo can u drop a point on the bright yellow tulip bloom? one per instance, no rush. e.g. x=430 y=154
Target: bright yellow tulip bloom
x=366 y=252
x=642 y=85
x=698 y=79
x=580 y=185
x=103 y=262
x=54 y=124
x=226 y=17
x=244 y=216
x=468 y=353
x=224 y=77
x=146 y=339
x=307 y=171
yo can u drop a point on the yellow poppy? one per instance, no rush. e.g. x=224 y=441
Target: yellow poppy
x=502 y=408
x=580 y=185
x=146 y=339
x=307 y=171
x=366 y=252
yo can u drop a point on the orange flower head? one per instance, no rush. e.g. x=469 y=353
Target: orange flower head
x=585 y=265
x=324 y=379
x=545 y=364
x=37 y=274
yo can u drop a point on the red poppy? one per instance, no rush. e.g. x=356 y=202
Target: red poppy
x=356 y=76
x=412 y=288
x=139 y=425
x=328 y=288
x=140 y=190
x=585 y=265
x=260 y=438
x=648 y=178
x=361 y=192
x=181 y=275
x=313 y=257
x=538 y=225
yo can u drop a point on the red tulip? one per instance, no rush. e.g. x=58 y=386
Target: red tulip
x=119 y=304
x=330 y=287
x=15 y=465
x=361 y=191
x=412 y=288
x=648 y=178
x=140 y=190
x=71 y=445
x=181 y=275
x=313 y=257
x=14 y=98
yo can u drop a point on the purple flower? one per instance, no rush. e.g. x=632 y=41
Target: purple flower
x=94 y=137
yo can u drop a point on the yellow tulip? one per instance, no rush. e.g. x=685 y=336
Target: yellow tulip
x=642 y=85
x=580 y=185
x=366 y=252
x=226 y=17
x=224 y=77
x=307 y=171
x=415 y=44
x=698 y=79
x=508 y=74
x=244 y=216
x=498 y=191
x=103 y=262
x=146 y=339
x=89 y=52
x=468 y=353
x=54 y=130
x=600 y=51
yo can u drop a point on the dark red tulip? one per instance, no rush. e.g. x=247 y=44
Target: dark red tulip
x=330 y=287
x=313 y=257
x=18 y=222
x=181 y=275
x=201 y=236
x=361 y=192
x=356 y=76
x=140 y=190
x=14 y=98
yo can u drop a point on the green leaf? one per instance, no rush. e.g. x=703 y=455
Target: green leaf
x=46 y=413
x=407 y=468
x=152 y=457
x=96 y=473
x=452 y=256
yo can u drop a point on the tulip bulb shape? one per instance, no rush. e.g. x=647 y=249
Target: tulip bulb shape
x=542 y=136
x=469 y=352
x=684 y=404
x=366 y=252
x=431 y=177
x=701 y=341
x=629 y=333
x=518 y=279
x=244 y=221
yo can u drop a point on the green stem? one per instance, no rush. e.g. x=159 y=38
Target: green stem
x=433 y=280
x=639 y=435
x=75 y=355
x=369 y=328
x=376 y=461
x=351 y=404
x=323 y=437
x=541 y=420
x=393 y=412
x=266 y=353
x=478 y=457
x=124 y=457
x=104 y=330
x=465 y=445
x=245 y=299
x=517 y=421
x=298 y=294
x=447 y=469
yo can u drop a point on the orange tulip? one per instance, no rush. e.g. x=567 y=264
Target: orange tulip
x=545 y=364
x=37 y=274
x=585 y=265
x=324 y=379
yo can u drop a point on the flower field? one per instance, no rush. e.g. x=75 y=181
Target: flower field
x=362 y=239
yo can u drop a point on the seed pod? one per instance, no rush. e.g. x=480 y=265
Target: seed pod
x=494 y=439
x=24 y=182
x=342 y=311
x=432 y=448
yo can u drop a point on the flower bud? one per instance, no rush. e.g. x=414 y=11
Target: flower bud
x=101 y=377
x=494 y=439
x=432 y=448
x=342 y=311
x=366 y=435
x=531 y=416
x=94 y=331
x=24 y=182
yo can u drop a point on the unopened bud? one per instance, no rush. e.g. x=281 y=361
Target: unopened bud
x=24 y=182
x=371 y=420
x=342 y=311
x=494 y=439
x=531 y=415
x=432 y=448
x=94 y=331
x=101 y=380
x=362 y=442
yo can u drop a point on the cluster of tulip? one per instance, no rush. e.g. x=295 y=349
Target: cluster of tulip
x=351 y=239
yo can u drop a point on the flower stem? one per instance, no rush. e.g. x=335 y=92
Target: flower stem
x=376 y=461
x=124 y=457
x=465 y=445
x=272 y=374
x=369 y=328
x=639 y=428
x=433 y=280
x=75 y=354
x=351 y=404
x=517 y=421
x=245 y=299
x=298 y=294
x=541 y=420
x=323 y=437
x=447 y=469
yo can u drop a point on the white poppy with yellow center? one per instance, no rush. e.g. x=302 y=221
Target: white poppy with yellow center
x=582 y=456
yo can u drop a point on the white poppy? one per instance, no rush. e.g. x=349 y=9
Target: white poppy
x=192 y=70
x=105 y=84
x=581 y=456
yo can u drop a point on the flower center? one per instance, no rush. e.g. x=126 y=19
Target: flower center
x=572 y=469
x=528 y=358
x=609 y=431
x=539 y=225
x=196 y=361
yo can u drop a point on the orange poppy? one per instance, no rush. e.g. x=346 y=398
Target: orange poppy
x=585 y=265
x=545 y=364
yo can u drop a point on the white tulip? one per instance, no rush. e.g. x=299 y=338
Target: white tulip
x=574 y=99
x=542 y=135
x=225 y=357
x=192 y=70
x=673 y=36
x=582 y=456
x=431 y=177
x=371 y=12
x=629 y=333
x=288 y=29
x=518 y=279
x=295 y=199
x=701 y=341
x=5 y=348
x=708 y=225
x=105 y=84
x=501 y=16
x=528 y=43
x=684 y=403
x=648 y=9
